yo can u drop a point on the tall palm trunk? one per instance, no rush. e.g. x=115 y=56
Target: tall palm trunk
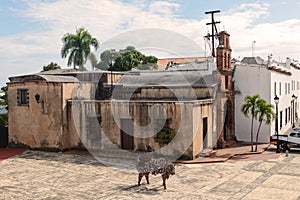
x=252 y=133
x=258 y=130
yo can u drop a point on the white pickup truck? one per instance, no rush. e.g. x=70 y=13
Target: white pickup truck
x=291 y=140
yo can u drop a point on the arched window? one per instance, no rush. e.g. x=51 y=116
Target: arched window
x=229 y=61
x=224 y=63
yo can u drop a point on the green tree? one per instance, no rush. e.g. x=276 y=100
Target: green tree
x=165 y=136
x=130 y=58
x=107 y=58
x=4 y=102
x=78 y=47
x=129 y=48
x=3 y=120
x=250 y=107
x=4 y=97
x=94 y=62
x=51 y=66
x=265 y=112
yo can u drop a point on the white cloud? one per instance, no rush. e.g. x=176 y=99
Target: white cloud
x=278 y=38
x=29 y=51
x=164 y=8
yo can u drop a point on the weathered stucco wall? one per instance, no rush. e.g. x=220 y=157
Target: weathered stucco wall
x=87 y=117
x=203 y=111
x=67 y=91
x=37 y=125
x=158 y=93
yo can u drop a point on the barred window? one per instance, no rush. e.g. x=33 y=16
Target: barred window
x=23 y=97
x=93 y=129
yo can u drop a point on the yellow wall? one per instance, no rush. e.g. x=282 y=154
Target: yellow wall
x=38 y=125
x=200 y=111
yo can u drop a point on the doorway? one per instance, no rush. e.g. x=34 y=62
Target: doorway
x=204 y=132
x=127 y=139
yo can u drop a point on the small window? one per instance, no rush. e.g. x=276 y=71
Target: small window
x=286 y=116
x=279 y=88
x=23 y=97
x=285 y=92
x=281 y=114
x=289 y=110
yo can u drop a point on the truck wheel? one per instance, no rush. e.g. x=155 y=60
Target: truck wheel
x=283 y=146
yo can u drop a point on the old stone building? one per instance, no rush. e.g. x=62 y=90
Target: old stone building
x=227 y=105
x=38 y=107
x=179 y=111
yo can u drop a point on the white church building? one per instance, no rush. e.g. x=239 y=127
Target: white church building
x=269 y=78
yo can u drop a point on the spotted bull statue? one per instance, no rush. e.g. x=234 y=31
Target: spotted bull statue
x=162 y=166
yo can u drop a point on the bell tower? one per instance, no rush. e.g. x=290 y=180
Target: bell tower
x=224 y=52
x=226 y=89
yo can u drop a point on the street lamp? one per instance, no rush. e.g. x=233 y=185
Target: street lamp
x=293 y=116
x=296 y=114
x=276 y=100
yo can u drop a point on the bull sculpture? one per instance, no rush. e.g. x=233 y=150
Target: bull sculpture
x=162 y=166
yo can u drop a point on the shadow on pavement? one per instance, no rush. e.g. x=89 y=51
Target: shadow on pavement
x=60 y=157
x=141 y=189
x=272 y=148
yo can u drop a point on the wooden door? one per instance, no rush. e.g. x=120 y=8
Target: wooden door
x=204 y=132
x=127 y=139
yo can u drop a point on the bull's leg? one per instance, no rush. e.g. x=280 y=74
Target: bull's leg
x=164 y=180
x=147 y=177
x=140 y=178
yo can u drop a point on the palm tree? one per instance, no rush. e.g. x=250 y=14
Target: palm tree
x=93 y=60
x=250 y=107
x=78 y=47
x=265 y=111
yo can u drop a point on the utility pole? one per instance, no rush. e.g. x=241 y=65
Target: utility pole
x=214 y=31
x=253 y=43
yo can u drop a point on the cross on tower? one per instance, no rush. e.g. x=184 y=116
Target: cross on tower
x=214 y=31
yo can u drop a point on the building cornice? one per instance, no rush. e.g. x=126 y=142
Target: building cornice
x=295 y=66
x=279 y=70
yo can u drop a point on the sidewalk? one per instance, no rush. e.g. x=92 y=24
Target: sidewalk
x=237 y=151
x=9 y=152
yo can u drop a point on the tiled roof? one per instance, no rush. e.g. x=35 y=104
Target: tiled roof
x=202 y=68
x=253 y=60
x=279 y=70
x=162 y=63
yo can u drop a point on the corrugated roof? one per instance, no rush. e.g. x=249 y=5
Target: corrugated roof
x=168 y=79
x=41 y=77
x=61 y=79
x=58 y=71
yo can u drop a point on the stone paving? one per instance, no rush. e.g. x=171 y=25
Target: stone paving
x=46 y=175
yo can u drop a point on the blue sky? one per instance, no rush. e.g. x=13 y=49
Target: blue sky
x=31 y=30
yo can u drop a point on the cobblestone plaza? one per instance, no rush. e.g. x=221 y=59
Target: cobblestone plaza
x=45 y=175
